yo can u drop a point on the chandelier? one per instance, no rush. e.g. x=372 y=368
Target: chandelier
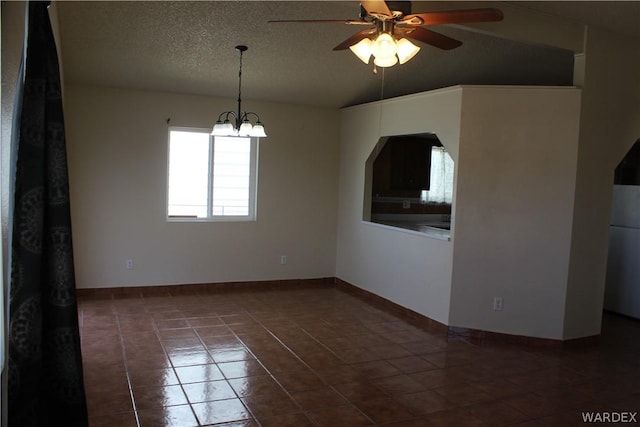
x=232 y=123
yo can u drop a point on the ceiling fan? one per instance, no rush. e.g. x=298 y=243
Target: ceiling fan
x=391 y=24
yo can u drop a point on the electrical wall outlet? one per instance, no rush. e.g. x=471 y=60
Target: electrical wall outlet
x=497 y=303
x=406 y=204
x=129 y=264
x=283 y=259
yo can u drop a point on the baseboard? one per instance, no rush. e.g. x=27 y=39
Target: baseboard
x=391 y=307
x=479 y=336
x=475 y=336
x=200 y=288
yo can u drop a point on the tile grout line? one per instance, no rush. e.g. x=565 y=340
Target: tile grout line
x=216 y=363
x=261 y=364
x=173 y=367
x=126 y=366
x=309 y=367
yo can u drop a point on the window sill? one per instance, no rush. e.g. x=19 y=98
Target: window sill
x=214 y=219
x=415 y=229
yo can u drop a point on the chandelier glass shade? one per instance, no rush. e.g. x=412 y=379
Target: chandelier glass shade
x=242 y=127
x=232 y=123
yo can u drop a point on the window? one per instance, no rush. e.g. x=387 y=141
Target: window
x=211 y=178
x=441 y=178
x=409 y=184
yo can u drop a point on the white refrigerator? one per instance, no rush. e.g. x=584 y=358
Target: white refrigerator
x=622 y=290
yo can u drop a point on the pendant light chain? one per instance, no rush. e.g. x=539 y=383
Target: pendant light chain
x=240 y=85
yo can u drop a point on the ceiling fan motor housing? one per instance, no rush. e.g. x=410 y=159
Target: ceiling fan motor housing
x=401 y=8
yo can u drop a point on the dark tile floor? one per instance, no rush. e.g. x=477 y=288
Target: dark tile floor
x=317 y=356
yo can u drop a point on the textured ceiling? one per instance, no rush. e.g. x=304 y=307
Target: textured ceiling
x=188 y=47
x=618 y=16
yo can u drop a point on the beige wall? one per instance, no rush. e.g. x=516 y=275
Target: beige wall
x=515 y=150
x=118 y=211
x=409 y=269
x=514 y=207
x=117 y=146
x=609 y=125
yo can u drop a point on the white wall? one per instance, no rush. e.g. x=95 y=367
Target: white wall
x=411 y=270
x=515 y=150
x=117 y=143
x=514 y=207
x=609 y=125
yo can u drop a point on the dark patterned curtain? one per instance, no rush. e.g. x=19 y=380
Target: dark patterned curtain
x=45 y=365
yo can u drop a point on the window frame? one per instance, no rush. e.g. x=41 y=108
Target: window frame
x=253 y=180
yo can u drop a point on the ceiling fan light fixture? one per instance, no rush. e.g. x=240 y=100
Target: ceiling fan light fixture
x=384 y=46
x=384 y=42
x=387 y=61
x=406 y=50
x=363 y=49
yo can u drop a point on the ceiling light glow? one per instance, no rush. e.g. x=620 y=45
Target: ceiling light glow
x=385 y=49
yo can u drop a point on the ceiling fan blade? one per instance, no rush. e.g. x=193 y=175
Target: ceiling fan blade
x=427 y=36
x=355 y=38
x=377 y=8
x=321 y=21
x=454 y=17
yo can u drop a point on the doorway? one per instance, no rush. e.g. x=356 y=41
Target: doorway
x=622 y=288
